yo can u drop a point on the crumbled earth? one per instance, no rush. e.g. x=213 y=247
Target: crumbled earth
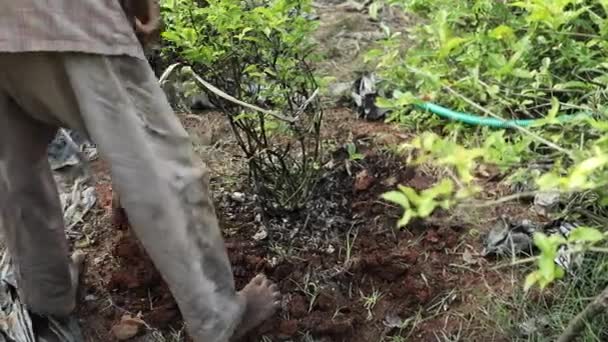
x=347 y=274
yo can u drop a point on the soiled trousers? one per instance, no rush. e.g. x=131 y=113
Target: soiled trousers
x=117 y=102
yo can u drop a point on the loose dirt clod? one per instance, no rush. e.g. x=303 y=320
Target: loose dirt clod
x=127 y=328
x=363 y=180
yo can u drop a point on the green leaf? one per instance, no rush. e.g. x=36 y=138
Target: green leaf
x=585 y=234
x=502 y=32
x=548 y=245
x=559 y=272
x=411 y=194
x=382 y=102
x=426 y=207
x=522 y=73
x=554 y=109
x=397 y=197
x=444 y=187
x=548 y=181
x=450 y=45
x=531 y=279
x=546 y=266
x=408 y=215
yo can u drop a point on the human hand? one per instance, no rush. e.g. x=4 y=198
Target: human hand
x=145 y=15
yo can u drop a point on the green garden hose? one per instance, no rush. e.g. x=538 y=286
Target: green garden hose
x=479 y=120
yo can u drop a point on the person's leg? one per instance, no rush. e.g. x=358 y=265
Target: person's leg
x=30 y=213
x=119 y=103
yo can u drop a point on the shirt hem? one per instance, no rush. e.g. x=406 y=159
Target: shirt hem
x=63 y=46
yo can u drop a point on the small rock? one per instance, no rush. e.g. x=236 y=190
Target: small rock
x=392 y=320
x=238 y=197
x=273 y=262
x=127 y=328
x=545 y=202
x=288 y=328
x=90 y=298
x=363 y=180
x=468 y=258
x=261 y=234
x=390 y=181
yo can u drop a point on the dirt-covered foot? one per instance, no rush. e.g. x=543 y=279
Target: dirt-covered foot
x=262 y=299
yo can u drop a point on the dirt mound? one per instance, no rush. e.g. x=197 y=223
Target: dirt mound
x=346 y=273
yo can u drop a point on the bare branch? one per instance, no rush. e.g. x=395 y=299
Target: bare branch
x=230 y=98
x=576 y=325
x=508 y=198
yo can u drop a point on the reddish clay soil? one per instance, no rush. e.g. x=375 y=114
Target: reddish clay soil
x=330 y=260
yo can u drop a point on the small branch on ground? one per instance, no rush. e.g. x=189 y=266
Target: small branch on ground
x=576 y=325
x=491 y=203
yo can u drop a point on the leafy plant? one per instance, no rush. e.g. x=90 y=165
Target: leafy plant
x=420 y=204
x=257 y=52
x=511 y=60
x=353 y=154
x=580 y=240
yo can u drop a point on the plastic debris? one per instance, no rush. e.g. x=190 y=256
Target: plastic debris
x=17 y=324
x=516 y=238
x=69 y=148
x=508 y=239
x=364 y=94
x=77 y=204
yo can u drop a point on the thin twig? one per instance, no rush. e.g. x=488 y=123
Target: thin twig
x=515 y=263
x=167 y=73
x=69 y=141
x=230 y=98
x=307 y=102
x=576 y=325
x=513 y=197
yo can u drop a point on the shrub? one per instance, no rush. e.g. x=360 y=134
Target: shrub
x=257 y=51
x=511 y=59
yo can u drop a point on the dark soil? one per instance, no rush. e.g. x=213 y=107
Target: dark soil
x=330 y=260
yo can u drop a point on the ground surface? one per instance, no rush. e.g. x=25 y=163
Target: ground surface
x=346 y=273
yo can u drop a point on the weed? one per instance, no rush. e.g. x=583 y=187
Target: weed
x=353 y=154
x=310 y=289
x=542 y=316
x=370 y=301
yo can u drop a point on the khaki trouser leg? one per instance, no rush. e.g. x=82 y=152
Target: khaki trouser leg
x=118 y=103
x=30 y=212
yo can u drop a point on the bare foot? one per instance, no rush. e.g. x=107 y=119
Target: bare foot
x=262 y=298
